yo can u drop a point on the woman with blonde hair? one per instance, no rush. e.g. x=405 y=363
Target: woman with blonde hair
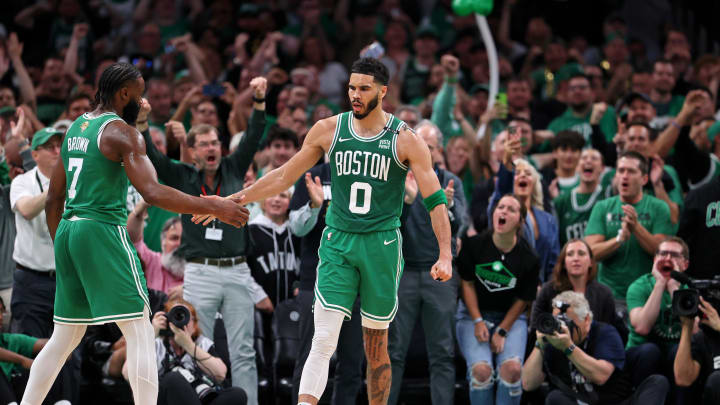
x=519 y=177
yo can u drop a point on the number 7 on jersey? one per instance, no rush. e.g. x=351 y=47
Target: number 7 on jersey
x=74 y=163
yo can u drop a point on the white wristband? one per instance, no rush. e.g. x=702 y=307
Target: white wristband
x=478 y=320
x=618 y=238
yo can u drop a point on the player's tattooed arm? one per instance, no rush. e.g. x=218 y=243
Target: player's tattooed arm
x=379 y=372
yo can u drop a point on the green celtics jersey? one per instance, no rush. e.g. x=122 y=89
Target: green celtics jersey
x=367 y=178
x=96 y=186
x=573 y=211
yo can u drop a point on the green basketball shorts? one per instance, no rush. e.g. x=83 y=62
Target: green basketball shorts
x=99 y=278
x=367 y=263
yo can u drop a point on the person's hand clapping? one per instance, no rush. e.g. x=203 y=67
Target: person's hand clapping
x=17 y=129
x=450 y=192
x=630 y=217
x=14 y=46
x=656 y=170
x=315 y=190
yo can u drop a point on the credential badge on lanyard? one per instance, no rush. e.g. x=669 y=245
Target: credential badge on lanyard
x=213 y=233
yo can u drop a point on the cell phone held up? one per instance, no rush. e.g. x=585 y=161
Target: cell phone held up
x=213 y=90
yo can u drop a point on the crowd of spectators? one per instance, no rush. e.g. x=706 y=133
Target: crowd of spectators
x=564 y=197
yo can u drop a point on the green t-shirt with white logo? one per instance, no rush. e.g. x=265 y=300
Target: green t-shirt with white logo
x=500 y=278
x=666 y=330
x=573 y=211
x=630 y=260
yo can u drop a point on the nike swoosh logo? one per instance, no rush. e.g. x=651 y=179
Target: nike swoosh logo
x=344 y=139
x=387 y=242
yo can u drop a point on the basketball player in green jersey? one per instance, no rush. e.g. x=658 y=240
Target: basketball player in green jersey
x=361 y=249
x=99 y=278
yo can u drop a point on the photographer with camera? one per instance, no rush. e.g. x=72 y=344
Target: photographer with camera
x=576 y=270
x=583 y=360
x=654 y=328
x=190 y=371
x=697 y=362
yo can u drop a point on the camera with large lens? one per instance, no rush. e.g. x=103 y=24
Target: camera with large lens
x=179 y=316
x=548 y=323
x=203 y=386
x=686 y=302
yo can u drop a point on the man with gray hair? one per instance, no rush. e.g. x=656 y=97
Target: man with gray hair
x=410 y=115
x=418 y=293
x=164 y=270
x=584 y=359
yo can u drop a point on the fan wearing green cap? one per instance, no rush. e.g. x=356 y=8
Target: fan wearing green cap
x=34 y=281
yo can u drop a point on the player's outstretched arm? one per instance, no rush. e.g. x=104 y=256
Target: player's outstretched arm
x=413 y=149
x=55 y=203
x=121 y=142
x=276 y=181
x=283 y=177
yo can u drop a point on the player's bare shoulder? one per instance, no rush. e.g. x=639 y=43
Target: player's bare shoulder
x=409 y=144
x=119 y=138
x=321 y=134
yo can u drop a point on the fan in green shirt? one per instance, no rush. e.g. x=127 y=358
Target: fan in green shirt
x=566 y=149
x=649 y=298
x=577 y=116
x=625 y=230
x=666 y=104
x=573 y=208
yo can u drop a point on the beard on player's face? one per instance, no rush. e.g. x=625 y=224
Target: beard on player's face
x=130 y=112
x=173 y=263
x=370 y=107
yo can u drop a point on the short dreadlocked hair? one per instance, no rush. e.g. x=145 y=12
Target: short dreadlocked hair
x=372 y=67
x=113 y=79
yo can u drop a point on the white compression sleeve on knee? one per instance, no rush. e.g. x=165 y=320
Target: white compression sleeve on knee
x=141 y=360
x=50 y=360
x=315 y=371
